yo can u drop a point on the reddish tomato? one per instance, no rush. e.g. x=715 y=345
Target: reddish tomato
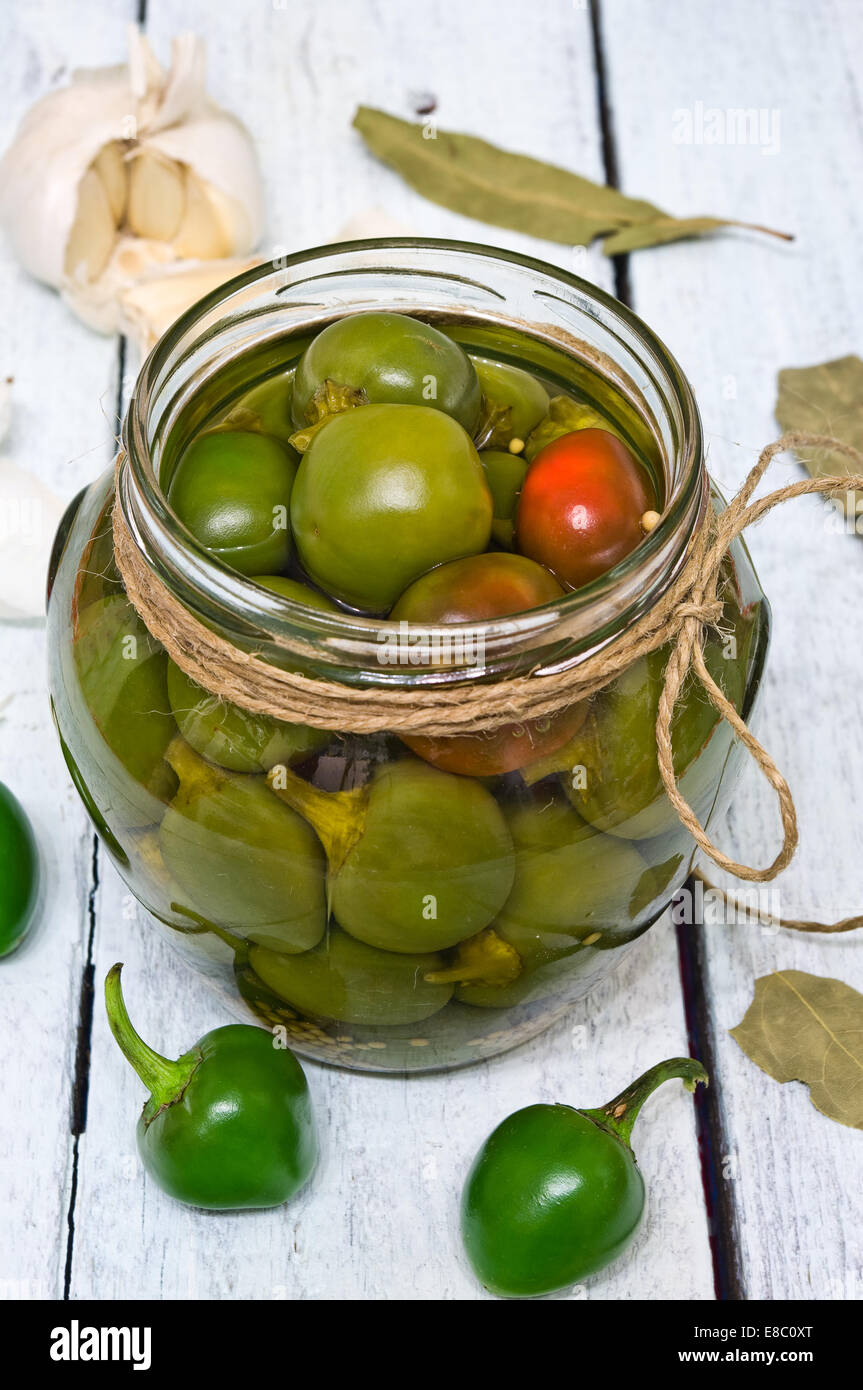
x=474 y=590
x=500 y=750
x=581 y=506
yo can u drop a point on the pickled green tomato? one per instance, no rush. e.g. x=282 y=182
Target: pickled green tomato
x=569 y=880
x=233 y=737
x=123 y=676
x=514 y=402
x=433 y=866
x=232 y=489
x=418 y=859
x=395 y=360
x=611 y=773
x=505 y=473
x=573 y=888
x=295 y=591
x=565 y=415
x=344 y=979
x=245 y=861
x=383 y=493
x=19 y=872
x=266 y=409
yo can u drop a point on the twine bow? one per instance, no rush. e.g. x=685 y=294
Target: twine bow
x=680 y=616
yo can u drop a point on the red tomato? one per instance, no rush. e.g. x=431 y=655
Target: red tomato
x=581 y=506
x=476 y=589
x=501 y=750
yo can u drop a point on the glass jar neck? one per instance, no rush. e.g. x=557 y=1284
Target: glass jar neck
x=432 y=279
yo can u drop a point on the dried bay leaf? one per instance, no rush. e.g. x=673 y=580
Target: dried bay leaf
x=480 y=180
x=809 y=1028
x=825 y=399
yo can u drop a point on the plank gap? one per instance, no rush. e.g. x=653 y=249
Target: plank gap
x=81 y=1079
x=622 y=286
x=724 y=1244
x=83 y=1047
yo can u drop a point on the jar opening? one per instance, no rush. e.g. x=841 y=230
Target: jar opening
x=430 y=279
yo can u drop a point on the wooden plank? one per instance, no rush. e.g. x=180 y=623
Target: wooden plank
x=63 y=419
x=734 y=311
x=379 y=1220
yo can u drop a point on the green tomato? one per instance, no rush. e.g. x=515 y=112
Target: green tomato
x=418 y=859
x=570 y=882
x=233 y=491
x=384 y=493
x=265 y=409
x=19 y=873
x=572 y=896
x=244 y=861
x=295 y=591
x=614 y=781
x=233 y=737
x=344 y=979
x=564 y=416
x=122 y=672
x=514 y=401
x=395 y=360
x=505 y=473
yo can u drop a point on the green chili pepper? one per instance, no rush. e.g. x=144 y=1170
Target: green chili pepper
x=19 y=873
x=555 y=1194
x=229 y=1124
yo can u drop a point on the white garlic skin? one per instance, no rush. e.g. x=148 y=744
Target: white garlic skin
x=128 y=154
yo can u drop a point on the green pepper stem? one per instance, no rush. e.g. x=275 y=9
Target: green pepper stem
x=620 y=1114
x=166 y=1080
x=338 y=818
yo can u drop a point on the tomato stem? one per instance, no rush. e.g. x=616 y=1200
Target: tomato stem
x=338 y=818
x=620 y=1114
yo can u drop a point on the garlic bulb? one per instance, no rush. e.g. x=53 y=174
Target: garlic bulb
x=29 y=516
x=124 y=169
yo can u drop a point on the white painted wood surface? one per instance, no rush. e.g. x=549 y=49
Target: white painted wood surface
x=733 y=313
x=379 y=1219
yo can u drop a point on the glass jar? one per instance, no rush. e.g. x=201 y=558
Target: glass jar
x=527 y=878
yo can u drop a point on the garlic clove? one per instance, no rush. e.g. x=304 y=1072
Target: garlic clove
x=157 y=195
x=94 y=231
x=97 y=303
x=372 y=222
x=202 y=234
x=150 y=306
x=110 y=165
x=220 y=151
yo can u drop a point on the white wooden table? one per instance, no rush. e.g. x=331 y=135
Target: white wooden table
x=772 y=1205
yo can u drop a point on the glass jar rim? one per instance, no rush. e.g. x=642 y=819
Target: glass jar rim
x=259 y=619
